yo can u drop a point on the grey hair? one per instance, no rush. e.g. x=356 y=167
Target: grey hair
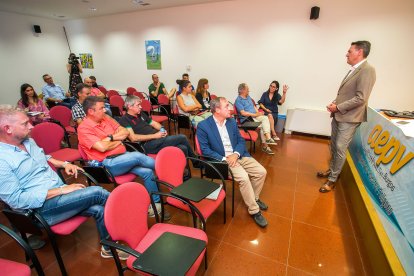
x=215 y=103
x=241 y=87
x=130 y=100
x=6 y=112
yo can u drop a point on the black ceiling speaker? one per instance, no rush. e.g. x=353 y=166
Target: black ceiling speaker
x=37 y=29
x=315 y=12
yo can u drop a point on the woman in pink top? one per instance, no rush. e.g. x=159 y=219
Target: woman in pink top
x=31 y=103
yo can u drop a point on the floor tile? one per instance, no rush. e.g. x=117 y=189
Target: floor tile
x=271 y=242
x=231 y=260
x=319 y=251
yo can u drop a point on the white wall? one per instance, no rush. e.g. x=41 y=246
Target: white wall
x=255 y=42
x=25 y=56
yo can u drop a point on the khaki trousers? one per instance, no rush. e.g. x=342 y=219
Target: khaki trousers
x=264 y=127
x=251 y=176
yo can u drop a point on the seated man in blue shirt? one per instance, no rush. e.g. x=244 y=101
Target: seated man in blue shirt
x=54 y=93
x=28 y=182
x=246 y=110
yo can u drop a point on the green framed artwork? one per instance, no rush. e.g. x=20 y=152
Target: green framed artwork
x=153 y=54
x=86 y=61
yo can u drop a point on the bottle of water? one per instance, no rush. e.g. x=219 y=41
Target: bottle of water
x=162 y=129
x=94 y=163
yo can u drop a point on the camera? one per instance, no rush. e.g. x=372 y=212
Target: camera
x=73 y=60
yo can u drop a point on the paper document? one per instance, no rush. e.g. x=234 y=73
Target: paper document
x=34 y=113
x=407 y=126
x=214 y=195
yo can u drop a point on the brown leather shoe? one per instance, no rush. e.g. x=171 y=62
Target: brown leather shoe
x=327 y=187
x=324 y=174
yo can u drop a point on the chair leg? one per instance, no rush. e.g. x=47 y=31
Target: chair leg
x=58 y=256
x=225 y=209
x=205 y=260
x=232 y=200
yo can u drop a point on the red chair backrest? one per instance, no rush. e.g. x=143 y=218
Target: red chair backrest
x=48 y=136
x=61 y=114
x=139 y=94
x=236 y=114
x=169 y=165
x=126 y=212
x=111 y=93
x=130 y=90
x=163 y=99
x=103 y=89
x=117 y=101
x=198 y=148
x=146 y=106
x=213 y=96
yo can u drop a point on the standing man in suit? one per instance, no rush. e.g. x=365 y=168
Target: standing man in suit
x=349 y=109
x=220 y=139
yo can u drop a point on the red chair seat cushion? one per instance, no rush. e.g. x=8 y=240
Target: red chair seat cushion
x=158 y=229
x=254 y=135
x=159 y=118
x=206 y=206
x=66 y=154
x=121 y=179
x=11 y=268
x=68 y=226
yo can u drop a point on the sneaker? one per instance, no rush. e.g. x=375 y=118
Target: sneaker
x=270 y=141
x=167 y=215
x=268 y=150
x=106 y=254
x=276 y=138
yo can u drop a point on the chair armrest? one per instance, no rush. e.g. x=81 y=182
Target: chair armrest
x=121 y=247
x=194 y=210
x=168 y=185
x=88 y=176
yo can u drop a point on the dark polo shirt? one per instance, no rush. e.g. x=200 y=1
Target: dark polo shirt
x=140 y=124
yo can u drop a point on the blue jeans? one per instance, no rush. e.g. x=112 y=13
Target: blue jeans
x=136 y=163
x=88 y=202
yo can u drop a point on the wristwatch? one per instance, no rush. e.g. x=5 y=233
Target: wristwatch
x=111 y=138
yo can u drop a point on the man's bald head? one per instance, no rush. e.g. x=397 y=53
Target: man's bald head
x=88 y=81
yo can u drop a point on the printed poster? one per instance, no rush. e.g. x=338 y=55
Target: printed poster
x=86 y=61
x=153 y=54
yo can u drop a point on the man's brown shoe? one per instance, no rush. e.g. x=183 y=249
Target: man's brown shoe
x=327 y=187
x=323 y=174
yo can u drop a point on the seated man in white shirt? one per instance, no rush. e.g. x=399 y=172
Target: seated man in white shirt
x=220 y=139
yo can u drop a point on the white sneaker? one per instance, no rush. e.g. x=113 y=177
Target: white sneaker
x=276 y=138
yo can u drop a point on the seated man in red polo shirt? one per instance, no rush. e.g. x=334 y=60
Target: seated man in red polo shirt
x=100 y=137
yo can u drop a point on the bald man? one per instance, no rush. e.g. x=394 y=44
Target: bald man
x=94 y=91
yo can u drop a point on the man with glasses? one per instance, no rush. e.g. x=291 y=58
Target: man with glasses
x=150 y=133
x=220 y=139
x=54 y=93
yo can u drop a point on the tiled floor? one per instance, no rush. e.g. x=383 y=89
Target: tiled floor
x=308 y=232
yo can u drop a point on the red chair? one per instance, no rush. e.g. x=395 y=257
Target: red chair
x=131 y=90
x=102 y=174
x=14 y=268
x=126 y=219
x=139 y=94
x=248 y=135
x=146 y=107
x=103 y=89
x=163 y=99
x=64 y=116
x=170 y=174
x=117 y=105
x=111 y=93
x=213 y=96
x=49 y=136
x=212 y=175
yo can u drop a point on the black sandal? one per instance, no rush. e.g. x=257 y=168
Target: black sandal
x=327 y=187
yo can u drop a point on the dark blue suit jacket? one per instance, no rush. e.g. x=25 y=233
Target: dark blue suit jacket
x=210 y=141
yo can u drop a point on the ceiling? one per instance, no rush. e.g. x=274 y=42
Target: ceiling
x=73 y=9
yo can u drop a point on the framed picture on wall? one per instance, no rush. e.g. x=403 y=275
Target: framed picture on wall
x=86 y=61
x=153 y=54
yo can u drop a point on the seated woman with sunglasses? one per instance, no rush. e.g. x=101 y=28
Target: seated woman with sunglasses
x=31 y=103
x=189 y=106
